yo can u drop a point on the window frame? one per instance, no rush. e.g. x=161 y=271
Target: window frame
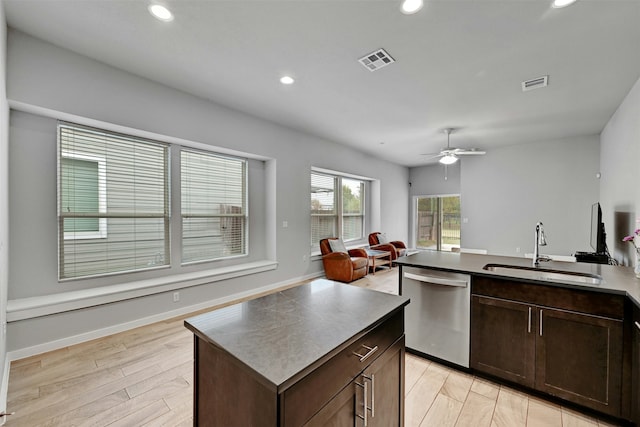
x=338 y=205
x=439 y=213
x=160 y=259
x=244 y=214
x=170 y=255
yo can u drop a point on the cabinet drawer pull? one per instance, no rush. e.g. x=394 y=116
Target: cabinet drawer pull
x=373 y=394
x=529 y=323
x=368 y=354
x=540 y=322
x=637 y=325
x=363 y=417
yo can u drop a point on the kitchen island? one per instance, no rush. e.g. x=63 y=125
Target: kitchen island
x=564 y=329
x=310 y=355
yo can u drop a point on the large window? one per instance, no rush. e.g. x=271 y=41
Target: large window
x=214 y=214
x=337 y=207
x=114 y=209
x=112 y=202
x=438 y=222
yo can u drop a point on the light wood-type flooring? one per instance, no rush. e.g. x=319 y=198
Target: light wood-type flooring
x=144 y=377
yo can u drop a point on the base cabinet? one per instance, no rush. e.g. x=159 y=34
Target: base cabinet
x=371 y=399
x=553 y=343
x=501 y=340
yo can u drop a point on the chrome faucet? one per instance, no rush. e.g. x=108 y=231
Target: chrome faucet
x=540 y=241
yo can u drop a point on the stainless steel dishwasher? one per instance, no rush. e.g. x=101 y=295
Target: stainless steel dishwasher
x=437 y=319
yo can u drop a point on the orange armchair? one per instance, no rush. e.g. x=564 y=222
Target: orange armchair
x=343 y=266
x=397 y=248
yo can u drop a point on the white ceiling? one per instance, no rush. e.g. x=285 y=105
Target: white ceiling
x=458 y=64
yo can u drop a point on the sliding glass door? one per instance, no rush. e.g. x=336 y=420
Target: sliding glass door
x=438 y=222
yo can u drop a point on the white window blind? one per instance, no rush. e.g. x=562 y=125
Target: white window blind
x=113 y=202
x=214 y=206
x=324 y=215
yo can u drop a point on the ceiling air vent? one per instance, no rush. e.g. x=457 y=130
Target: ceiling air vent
x=376 y=60
x=535 y=83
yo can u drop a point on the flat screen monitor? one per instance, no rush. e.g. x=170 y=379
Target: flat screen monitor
x=598 y=235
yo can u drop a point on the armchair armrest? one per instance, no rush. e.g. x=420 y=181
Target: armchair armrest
x=336 y=256
x=358 y=253
x=398 y=244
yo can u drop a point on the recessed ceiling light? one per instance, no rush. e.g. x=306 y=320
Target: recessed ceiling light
x=160 y=12
x=287 y=80
x=412 y=6
x=557 y=4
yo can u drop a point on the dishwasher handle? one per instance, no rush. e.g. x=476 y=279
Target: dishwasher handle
x=437 y=280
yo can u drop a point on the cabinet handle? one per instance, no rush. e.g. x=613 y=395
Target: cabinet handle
x=540 y=322
x=637 y=325
x=529 y=322
x=368 y=354
x=373 y=394
x=363 y=417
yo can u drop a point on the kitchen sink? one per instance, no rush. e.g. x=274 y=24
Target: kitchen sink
x=545 y=274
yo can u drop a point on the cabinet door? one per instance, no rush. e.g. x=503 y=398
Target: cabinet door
x=635 y=367
x=385 y=380
x=579 y=358
x=340 y=411
x=503 y=339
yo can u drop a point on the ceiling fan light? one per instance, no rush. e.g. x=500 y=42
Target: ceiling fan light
x=411 y=6
x=558 y=4
x=449 y=159
x=160 y=12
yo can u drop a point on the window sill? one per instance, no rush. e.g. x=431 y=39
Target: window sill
x=27 y=308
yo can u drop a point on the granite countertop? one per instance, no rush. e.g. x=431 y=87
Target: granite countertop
x=617 y=279
x=284 y=335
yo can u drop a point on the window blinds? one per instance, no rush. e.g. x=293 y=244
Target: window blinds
x=324 y=216
x=113 y=202
x=214 y=206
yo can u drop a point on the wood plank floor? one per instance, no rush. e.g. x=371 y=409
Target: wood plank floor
x=144 y=377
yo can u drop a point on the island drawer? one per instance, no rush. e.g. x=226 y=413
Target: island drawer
x=306 y=397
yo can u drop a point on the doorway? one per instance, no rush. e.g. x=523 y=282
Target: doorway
x=437 y=222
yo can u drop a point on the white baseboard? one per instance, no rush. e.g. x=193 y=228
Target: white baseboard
x=114 y=329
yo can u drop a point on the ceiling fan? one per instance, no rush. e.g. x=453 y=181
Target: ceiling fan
x=450 y=155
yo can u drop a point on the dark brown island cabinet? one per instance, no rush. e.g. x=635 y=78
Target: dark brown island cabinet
x=564 y=342
x=319 y=354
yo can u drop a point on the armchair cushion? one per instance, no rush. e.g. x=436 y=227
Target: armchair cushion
x=337 y=245
x=382 y=238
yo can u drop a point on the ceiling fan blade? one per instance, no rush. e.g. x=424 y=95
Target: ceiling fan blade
x=468 y=152
x=432 y=156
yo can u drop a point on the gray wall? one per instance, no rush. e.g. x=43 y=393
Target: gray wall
x=4 y=200
x=61 y=82
x=505 y=192
x=619 y=189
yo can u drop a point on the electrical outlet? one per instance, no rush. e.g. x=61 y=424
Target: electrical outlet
x=304 y=257
x=176 y=296
x=518 y=249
